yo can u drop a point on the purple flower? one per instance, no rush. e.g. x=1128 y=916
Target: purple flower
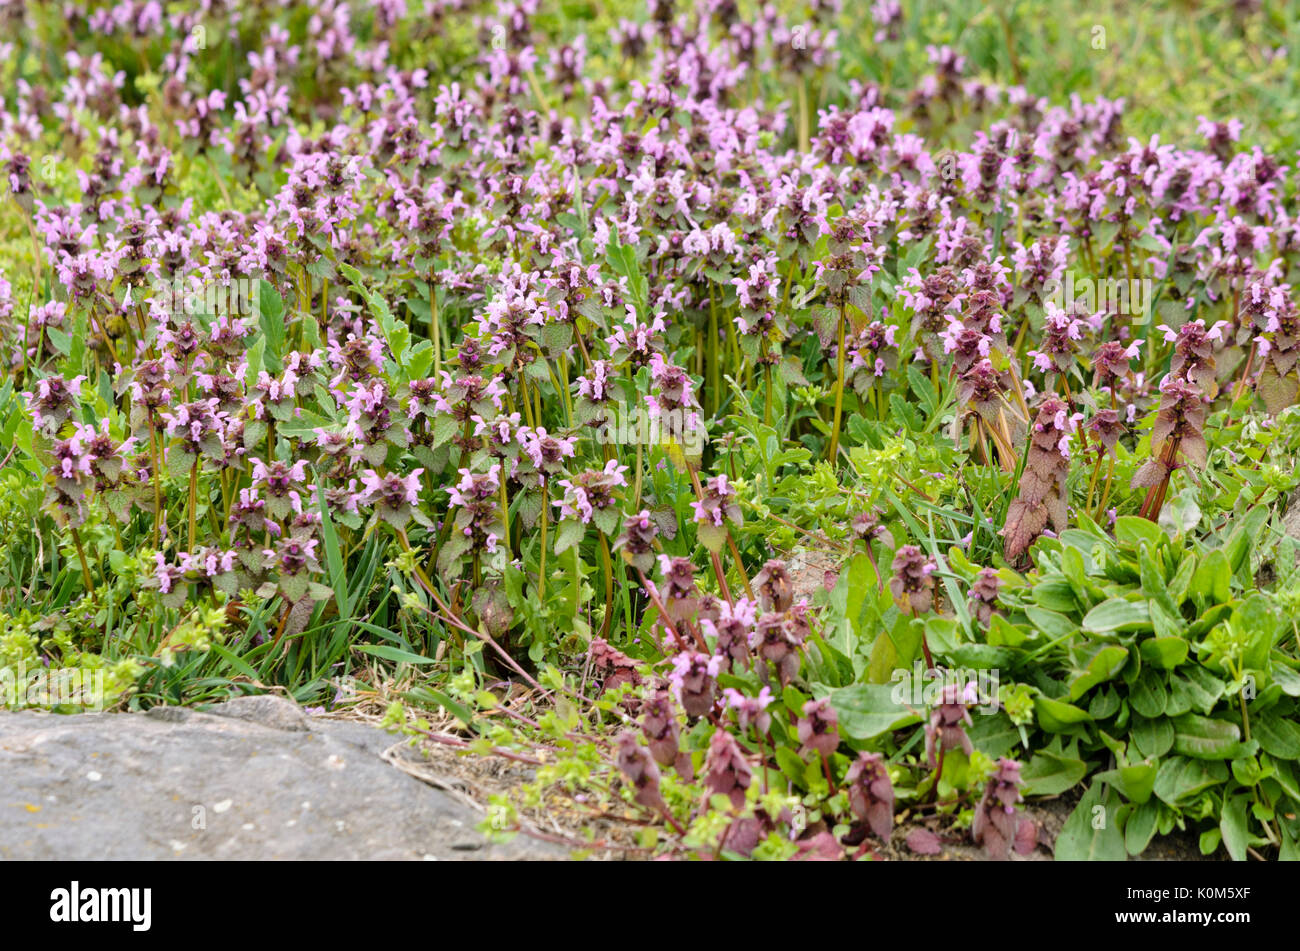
x=52 y=401
x=694 y=681
x=774 y=586
x=750 y=709
x=717 y=507
x=997 y=824
x=871 y=794
x=726 y=771
x=637 y=540
x=945 y=729
x=591 y=491
x=912 y=586
x=818 y=728
x=641 y=771
x=984 y=594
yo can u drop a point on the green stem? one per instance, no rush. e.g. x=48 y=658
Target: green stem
x=714 y=369
x=803 y=115
x=435 y=326
x=609 y=585
x=90 y=585
x=1092 y=482
x=505 y=508
x=157 y=489
x=1241 y=699
x=740 y=565
x=541 y=567
x=636 y=491
x=767 y=394
x=565 y=395
x=528 y=406
x=839 y=391
x=194 y=501
x=1105 y=493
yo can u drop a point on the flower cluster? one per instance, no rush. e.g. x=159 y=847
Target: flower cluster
x=1042 y=484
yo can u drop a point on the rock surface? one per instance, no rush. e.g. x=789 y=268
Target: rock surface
x=253 y=778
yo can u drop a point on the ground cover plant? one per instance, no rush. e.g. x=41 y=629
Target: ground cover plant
x=792 y=432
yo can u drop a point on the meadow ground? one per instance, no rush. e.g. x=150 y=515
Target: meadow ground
x=708 y=430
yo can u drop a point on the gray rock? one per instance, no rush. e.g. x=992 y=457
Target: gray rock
x=266 y=709
x=254 y=778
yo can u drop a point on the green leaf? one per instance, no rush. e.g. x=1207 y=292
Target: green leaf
x=893 y=648
x=1164 y=652
x=1165 y=621
x=1233 y=826
x=711 y=536
x=270 y=317
x=1213 y=578
x=293 y=587
x=179 y=464
x=1050 y=774
x=62 y=341
x=311 y=332
x=1287 y=679
x=623 y=261
x=1149 y=695
x=419 y=360
x=1002 y=633
x=1117 y=614
x=568 y=533
x=255 y=364
x=1135 y=781
x=1056 y=716
x=556 y=336
x=1104 y=704
x=994 y=735
x=1283 y=774
x=1277 y=736
x=1245 y=536
x=1092 y=832
x=394 y=654
x=1153 y=738
x=428 y=696
x=974 y=656
x=868 y=710
x=1193 y=688
x=924 y=389
x=1105 y=665
x=1055 y=596
x=1131 y=530
x=1051 y=623
x=333 y=554
x=235 y=661
x=1140 y=828
x=1290 y=850
x=1205 y=738
x=860 y=578
x=792 y=767
x=1180 y=778
x=1255 y=618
